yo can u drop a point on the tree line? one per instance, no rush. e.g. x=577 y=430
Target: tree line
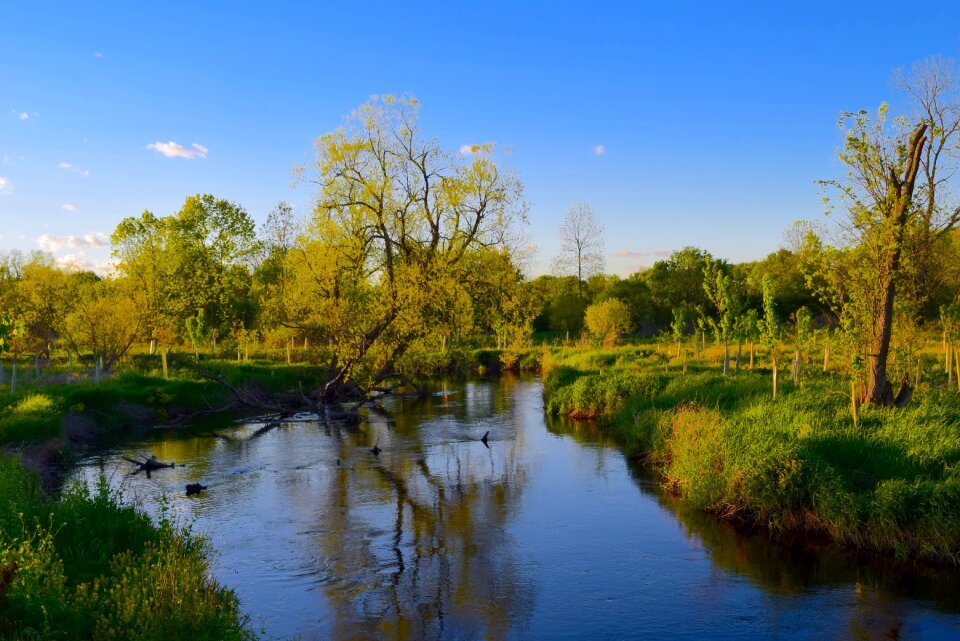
x=410 y=247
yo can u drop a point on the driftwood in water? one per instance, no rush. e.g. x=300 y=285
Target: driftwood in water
x=195 y=488
x=149 y=464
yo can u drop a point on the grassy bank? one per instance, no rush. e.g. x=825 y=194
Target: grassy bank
x=49 y=421
x=85 y=566
x=798 y=463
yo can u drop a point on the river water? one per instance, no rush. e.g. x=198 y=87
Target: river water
x=548 y=533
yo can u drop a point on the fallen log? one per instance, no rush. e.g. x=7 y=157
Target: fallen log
x=149 y=464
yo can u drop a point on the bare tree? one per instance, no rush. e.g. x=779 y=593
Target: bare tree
x=582 y=250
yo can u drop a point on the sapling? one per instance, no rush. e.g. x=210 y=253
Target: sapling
x=770 y=327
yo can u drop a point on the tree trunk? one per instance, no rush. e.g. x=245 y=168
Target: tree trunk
x=751 y=356
x=736 y=369
x=726 y=358
x=826 y=357
x=879 y=390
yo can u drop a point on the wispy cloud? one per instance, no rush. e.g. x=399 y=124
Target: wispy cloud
x=97 y=54
x=6 y=187
x=599 y=150
x=68 y=207
x=54 y=244
x=73 y=169
x=630 y=253
x=24 y=116
x=174 y=150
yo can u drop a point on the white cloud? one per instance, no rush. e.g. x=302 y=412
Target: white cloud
x=599 y=150
x=73 y=169
x=68 y=207
x=97 y=54
x=484 y=148
x=56 y=243
x=76 y=262
x=24 y=116
x=6 y=187
x=174 y=150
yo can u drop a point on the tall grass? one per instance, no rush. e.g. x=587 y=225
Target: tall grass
x=86 y=566
x=722 y=444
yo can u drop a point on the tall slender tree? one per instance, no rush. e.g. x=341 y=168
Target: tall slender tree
x=581 y=249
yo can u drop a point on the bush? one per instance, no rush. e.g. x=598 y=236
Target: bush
x=606 y=320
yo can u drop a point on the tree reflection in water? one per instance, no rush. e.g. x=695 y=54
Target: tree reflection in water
x=415 y=540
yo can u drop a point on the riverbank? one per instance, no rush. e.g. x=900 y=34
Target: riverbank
x=797 y=463
x=84 y=565
x=48 y=425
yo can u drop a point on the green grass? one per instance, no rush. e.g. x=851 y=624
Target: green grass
x=119 y=403
x=798 y=463
x=87 y=566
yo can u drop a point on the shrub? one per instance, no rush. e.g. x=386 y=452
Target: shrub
x=606 y=320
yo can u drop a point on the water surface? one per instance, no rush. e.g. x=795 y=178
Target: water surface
x=548 y=533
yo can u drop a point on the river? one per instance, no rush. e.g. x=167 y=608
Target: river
x=549 y=532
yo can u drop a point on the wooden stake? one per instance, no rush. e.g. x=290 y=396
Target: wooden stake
x=956 y=364
x=946 y=352
x=163 y=361
x=853 y=401
x=950 y=357
x=774 y=381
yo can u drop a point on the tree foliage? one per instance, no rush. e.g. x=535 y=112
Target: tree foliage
x=398 y=229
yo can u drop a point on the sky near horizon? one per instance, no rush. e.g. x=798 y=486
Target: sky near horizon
x=681 y=123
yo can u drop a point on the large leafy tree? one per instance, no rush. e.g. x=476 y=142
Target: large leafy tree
x=197 y=260
x=390 y=254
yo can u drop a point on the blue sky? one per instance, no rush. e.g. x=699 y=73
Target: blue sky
x=714 y=120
